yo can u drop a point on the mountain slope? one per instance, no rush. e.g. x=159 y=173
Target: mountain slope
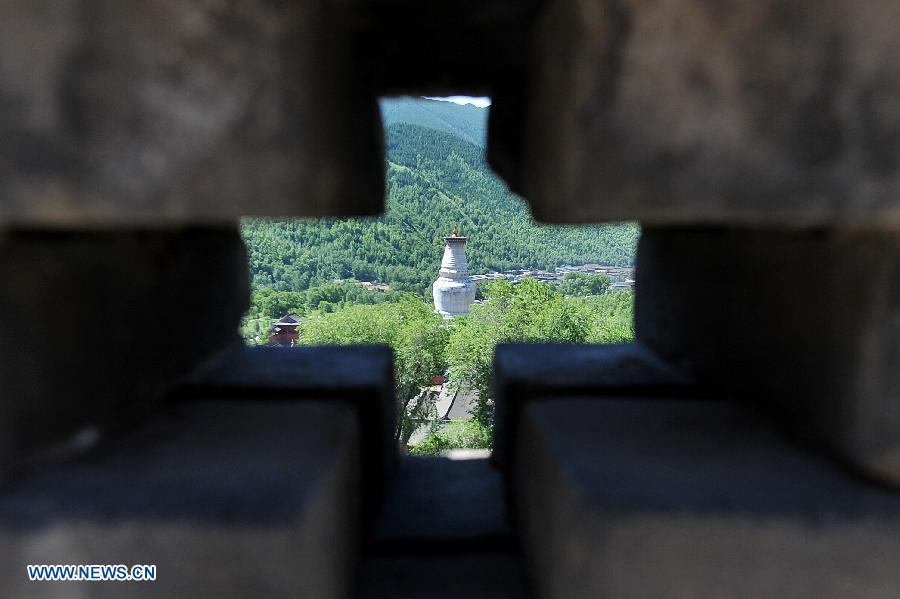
x=464 y=121
x=435 y=181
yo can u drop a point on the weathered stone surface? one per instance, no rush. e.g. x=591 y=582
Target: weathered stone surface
x=362 y=376
x=182 y=111
x=442 y=502
x=763 y=112
x=679 y=498
x=506 y=133
x=226 y=498
x=496 y=34
x=94 y=327
x=806 y=323
x=472 y=576
x=525 y=371
x=444 y=532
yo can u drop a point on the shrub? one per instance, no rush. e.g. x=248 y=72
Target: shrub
x=458 y=434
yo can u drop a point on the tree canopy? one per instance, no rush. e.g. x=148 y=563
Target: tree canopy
x=530 y=312
x=583 y=283
x=416 y=334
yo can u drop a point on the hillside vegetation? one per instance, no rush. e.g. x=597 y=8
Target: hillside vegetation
x=425 y=345
x=466 y=122
x=435 y=181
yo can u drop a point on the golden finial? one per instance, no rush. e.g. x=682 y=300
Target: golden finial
x=456 y=231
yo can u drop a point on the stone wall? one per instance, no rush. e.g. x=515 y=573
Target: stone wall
x=751 y=445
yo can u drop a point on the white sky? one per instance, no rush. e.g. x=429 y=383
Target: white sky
x=481 y=102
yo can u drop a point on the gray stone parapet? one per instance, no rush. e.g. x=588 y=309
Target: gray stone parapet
x=444 y=533
x=662 y=497
x=731 y=113
x=804 y=325
x=524 y=371
x=359 y=376
x=183 y=113
x=225 y=498
x=96 y=326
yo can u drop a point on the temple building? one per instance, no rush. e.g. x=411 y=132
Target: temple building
x=454 y=290
x=284 y=331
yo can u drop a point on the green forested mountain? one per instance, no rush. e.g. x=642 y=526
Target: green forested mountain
x=465 y=121
x=435 y=181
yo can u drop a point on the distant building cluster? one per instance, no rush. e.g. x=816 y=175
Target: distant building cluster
x=373 y=286
x=622 y=277
x=367 y=285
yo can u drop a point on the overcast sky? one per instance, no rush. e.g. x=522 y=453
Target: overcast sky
x=477 y=101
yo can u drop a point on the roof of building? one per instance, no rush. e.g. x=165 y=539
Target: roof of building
x=463 y=402
x=288 y=320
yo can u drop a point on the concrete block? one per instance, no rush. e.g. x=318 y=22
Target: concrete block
x=679 y=498
x=807 y=324
x=359 y=376
x=226 y=498
x=95 y=326
x=528 y=370
x=183 y=112
x=693 y=112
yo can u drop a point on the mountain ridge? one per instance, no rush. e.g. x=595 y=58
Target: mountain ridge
x=465 y=121
x=435 y=181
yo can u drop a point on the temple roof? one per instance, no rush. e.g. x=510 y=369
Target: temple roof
x=288 y=320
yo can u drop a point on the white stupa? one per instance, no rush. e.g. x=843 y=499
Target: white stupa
x=454 y=291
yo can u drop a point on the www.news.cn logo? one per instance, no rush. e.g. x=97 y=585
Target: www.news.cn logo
x=95 y=572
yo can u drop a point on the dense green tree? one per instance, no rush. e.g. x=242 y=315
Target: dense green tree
x=529 y=312
x=611 y=317
x=424 y=344
x=416 y=334
x=582 y=283
x=268 y=304
x=457 y=434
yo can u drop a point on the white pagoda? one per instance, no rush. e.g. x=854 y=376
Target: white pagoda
x=454 y=291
